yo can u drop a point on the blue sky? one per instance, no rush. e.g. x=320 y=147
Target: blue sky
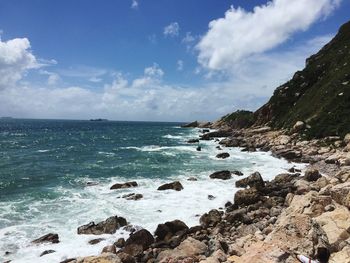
x=154 y=60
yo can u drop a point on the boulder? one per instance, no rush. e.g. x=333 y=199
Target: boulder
x=193 y=141
x=312 y=175
x=169 y=229
x=133 y=196
x=253 y=180
x=223 y=175
x=177 y=186
x=108 y=226
x=126 y=258
x=247 y=197
x=109 y=249
x=192 y=179
x=189 y=248
x=223 y=155
x=347 y=138
x=95 y=241
x=48 y=238
x=236 y=172
x=124 y=185
x=120 y=243
x=138 y=242
x=341 y=194
x=212 y=218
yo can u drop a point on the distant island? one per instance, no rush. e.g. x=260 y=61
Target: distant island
x=98 y=120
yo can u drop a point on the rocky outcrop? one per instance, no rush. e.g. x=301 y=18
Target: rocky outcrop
x=108 y=226
x=48 y=238
x=223 y=175
x=253 y=180
x=223 y=155
x=138 y=242
x=177 y=186
x=124 y=185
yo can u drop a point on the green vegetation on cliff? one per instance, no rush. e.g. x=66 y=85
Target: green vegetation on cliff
x=239 y=119
x=319 y=95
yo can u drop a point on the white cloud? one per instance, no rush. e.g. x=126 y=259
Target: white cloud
x=134 y=4
x=16 y=59
x=147 y=97
x=179 y=65
x=172 y=30
x=241 y=34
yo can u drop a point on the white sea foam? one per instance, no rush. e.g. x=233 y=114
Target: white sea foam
x=77 y=206
x=43 y=151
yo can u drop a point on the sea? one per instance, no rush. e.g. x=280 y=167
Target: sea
x=47 y=168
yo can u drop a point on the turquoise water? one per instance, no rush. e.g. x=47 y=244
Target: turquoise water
x=45 y=165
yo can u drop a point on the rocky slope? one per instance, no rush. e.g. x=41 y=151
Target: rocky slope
x=319 y=95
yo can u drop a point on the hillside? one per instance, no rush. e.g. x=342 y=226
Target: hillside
x=318 y=95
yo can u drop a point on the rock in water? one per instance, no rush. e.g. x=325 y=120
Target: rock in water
x=223 y=155
x=109 y=226
x=47 y=252
x=124 y=185
x=177 y=186
x=253 y=180
x=51 y=238
x=193 y=141
x=223 y=175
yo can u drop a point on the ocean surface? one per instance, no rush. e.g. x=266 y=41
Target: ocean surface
x=45 y=166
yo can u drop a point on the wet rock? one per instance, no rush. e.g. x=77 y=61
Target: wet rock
x=199 y=148
x=109 y=226
x=95 y=241
x=289 y=154
x=253 y=180
x=212 y=218
x=177 y=186
x=247 y=197
x=48 y=238
x=236 y=172
x=211 y=197
x=124 y=185
x=120 y=243
x=223 y=155
x=223 y=175
x=133 y=196
x=193 y=141
x=91 y=183
x=47 y=252
x=69 y=260
x=312 y=175
x=231 y=142
x=298 y=126
x=192 y=179
x=132 y=228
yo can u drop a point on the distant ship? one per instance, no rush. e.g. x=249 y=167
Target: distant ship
x=98 y=120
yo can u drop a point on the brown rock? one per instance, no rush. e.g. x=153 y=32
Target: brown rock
x=223 y=155
x=247 y=197
x=48 y=238
x=253 y=180
x=212 y=218
x=177 y=186
x=312 y=175
x=95 y=241
x=223 y=175
x=109 y=226
x=124 y=185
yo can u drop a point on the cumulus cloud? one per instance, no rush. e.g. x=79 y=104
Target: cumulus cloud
x=172 y=30
x=134 y=4
x=241 y=34
x=16 y=59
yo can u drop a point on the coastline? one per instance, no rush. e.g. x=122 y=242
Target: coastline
x=313 y=206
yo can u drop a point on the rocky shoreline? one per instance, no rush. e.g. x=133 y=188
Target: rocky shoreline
x=266 y=221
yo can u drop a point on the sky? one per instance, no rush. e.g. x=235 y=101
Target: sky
x=154 y=60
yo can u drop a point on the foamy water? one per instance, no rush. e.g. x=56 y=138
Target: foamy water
x=76 y=206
